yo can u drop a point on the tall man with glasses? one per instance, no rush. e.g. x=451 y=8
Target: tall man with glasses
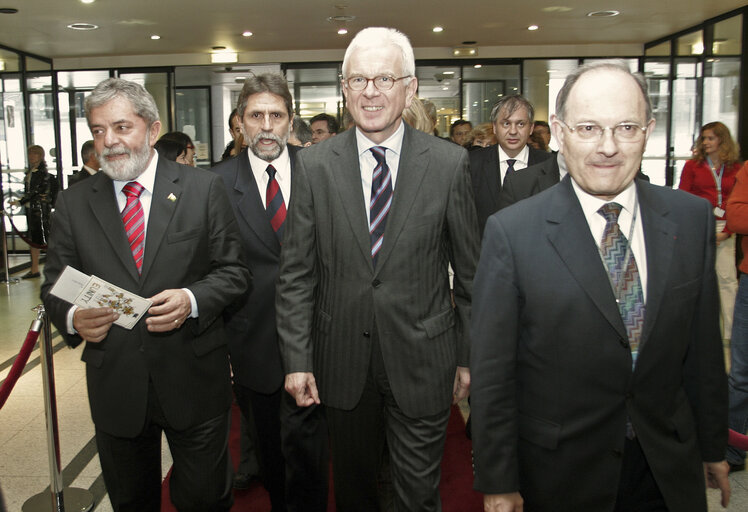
x=366 y=323
x=597 y=364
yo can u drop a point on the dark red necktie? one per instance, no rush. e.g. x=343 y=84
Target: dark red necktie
x=134 y=220
x=274 y=204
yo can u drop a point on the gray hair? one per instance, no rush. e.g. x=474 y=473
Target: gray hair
x=374 y=37
x=511 y=104
x=87 y=151
x=111 y=88
x=274 y=83
x=607 y=65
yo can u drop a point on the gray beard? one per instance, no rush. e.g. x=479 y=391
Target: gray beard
x=128 y=169
x=268 y=155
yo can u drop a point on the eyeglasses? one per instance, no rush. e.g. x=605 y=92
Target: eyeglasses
x=592 y=132
x=382 y=83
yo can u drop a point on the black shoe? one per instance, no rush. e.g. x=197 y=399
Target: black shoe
x=734 y=468
x=30 y=275
x=243 y=481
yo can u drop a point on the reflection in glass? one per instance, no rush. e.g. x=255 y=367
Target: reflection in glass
x=193 y=118
x=728 y=36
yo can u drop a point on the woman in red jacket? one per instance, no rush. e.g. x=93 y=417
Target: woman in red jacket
x=711 y=175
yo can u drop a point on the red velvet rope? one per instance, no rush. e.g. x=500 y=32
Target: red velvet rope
x=27 y=240
x=18 y=365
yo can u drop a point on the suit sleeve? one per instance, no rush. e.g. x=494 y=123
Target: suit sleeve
x=228 y=277
x=462 y=222
x=704 y=369
x=61 y=252
x=297 y=281
x=494 y=330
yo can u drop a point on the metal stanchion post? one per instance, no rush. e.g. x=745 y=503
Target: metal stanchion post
x=5 y=277
x=69 y=499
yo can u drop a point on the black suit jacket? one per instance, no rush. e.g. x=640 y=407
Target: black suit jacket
x=484 y=171
x=192 y=242
x=253 y=337
x=552 y=380
x=529 y=181
x=79 y=177
x=330 y=297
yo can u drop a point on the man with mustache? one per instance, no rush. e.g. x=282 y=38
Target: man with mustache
x=258 y=181
x=145 y=225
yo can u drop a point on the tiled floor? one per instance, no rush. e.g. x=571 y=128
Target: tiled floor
x=24 y=466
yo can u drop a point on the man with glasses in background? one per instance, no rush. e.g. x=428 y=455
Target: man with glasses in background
x=365 y=319
x=323 y=127
x=597 y=364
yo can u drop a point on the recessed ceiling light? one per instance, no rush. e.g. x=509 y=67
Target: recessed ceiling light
x=533 y=27
x=603 y=14
x=478 y=66
x=87 y=1
x=83 y=26
x=342 y=31
x=155 y=37
x=8 y=10
x=437 y=29
x=247 y=33
x=445 y=88
x=448 y=73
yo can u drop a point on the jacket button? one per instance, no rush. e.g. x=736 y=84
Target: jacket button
x=375 y=283
x=366 y=334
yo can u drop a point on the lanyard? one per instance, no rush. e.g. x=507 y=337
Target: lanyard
x=717 y=179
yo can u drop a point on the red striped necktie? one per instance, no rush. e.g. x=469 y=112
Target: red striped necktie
x=274 y=204
x=134 y=220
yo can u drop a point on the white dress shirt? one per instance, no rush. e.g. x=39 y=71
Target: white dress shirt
x=282 y=166
x=520 y=161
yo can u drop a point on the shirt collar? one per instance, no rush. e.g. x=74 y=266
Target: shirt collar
x=591 y=204
x=523 y=155
x=393 y=143
x=282 y=162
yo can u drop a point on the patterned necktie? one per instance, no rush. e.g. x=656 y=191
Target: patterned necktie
x=134 y=220
x=381 y=200
x=274 y=204
x=625 y=281
x=509 y=167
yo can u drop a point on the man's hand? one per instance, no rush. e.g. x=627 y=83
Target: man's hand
x=169 y=311
x=303 y=388
x=93 y=324
x=715 y=474
x=461 y=388
x=511 y=502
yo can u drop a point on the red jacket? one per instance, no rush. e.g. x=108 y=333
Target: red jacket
x=698 y=179
x=737 y=212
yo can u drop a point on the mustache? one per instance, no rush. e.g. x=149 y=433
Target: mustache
x=114 y=152
x=267 y=135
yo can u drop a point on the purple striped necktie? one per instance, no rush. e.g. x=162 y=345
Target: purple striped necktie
x=134 y=220
x=381 y=200
x=274 y=204
x=624 y=276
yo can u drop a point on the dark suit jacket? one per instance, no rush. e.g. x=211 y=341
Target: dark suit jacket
x=253 y=337
x=79 y=177
x=529 y=181
x=552 y=383
x=330 y=296
x=484 y=171
x=191 y=241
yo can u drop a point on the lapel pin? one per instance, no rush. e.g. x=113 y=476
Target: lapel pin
x=172 y=198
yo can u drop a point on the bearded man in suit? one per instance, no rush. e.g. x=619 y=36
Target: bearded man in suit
x=365 y=317
x=597 y=363
x=149 y=226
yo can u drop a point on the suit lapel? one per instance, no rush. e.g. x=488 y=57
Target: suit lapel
x=551 y=174
x=659 y=239
x=249 y=205
x=570 y=235
x=346 y=173
x=165 y=189
x=106 y=212
x=414 y=161
x=492 y=173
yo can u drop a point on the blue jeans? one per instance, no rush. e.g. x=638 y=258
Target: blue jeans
x=738 y=378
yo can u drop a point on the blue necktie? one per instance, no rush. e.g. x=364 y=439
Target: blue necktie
x=381 y=200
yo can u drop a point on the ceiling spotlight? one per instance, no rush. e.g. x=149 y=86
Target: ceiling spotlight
x=342 y=31
x=437 y=29
x=478 y=66
x=83 y=26
x=247 y=33
x=533 y=27
x=461 y=51
x=87 y=1
x=155 y=37
x=603 y=14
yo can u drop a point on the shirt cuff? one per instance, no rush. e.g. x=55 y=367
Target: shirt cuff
x=71 y=312
x=193 y=303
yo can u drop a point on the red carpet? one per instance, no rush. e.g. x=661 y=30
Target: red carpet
x=456 y=486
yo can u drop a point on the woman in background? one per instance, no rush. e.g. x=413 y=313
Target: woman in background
x=711 y=175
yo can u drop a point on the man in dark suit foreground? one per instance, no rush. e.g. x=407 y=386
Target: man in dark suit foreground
x=512 y=119
x=253 y=180
x=181 y=249
x=365 y=318
x=597 y=365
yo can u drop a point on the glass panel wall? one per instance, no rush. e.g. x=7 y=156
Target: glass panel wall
x=193 y=118
x=440 y=85
x=685 y=119
x=316 y=90
x=158 y=84
x=655 y=161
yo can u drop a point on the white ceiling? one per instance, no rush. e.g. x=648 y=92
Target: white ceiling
x=189 y=27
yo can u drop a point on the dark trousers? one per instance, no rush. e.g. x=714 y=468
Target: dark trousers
x=637 y=489
x=201 y=476
x=415 y=447
x=264 y=411
x=305 y=447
